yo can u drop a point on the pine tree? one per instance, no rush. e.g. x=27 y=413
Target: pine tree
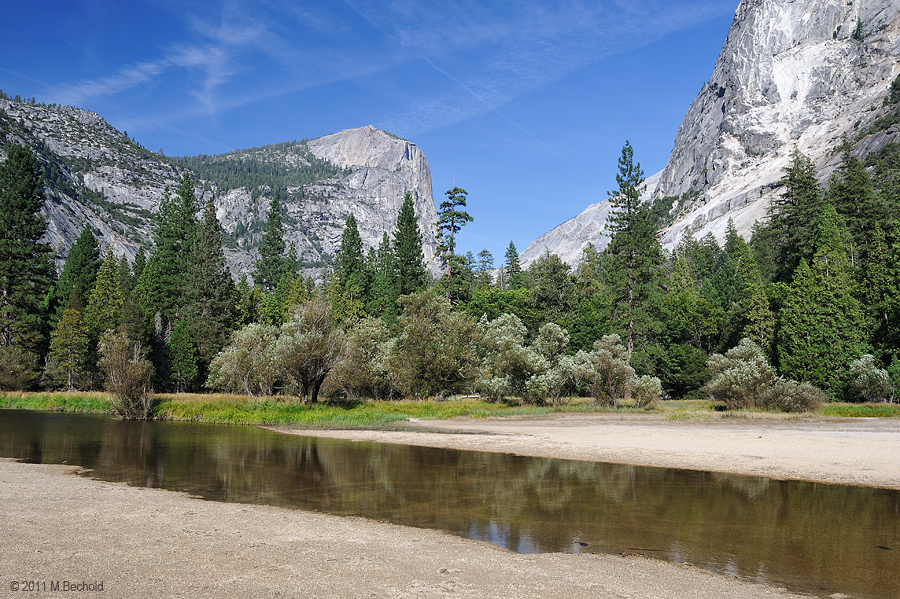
x=591 y=319
x=126 y=282
x=209 y=310
x=79 y=272
x=407 y=250
x=511 y=267
x=68 y=348
x=384 y=288
x=184 y=360
x=485 y=266
x=689 y=318
x=346 y=290
x=853 y=195
x=140 y=261
x=163 y=281
x=104 y=307
x=350 y=261
x=634 y=255
x=271 y=264
x=794 y=217
x=161 y=291
x=552 y=288
x=247 y=303
x=450 y=220
x=879 y=290
x=26 y=271
x=822 y=326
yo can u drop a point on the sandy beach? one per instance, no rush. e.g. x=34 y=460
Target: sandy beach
x=59 y=527
x=851 y=451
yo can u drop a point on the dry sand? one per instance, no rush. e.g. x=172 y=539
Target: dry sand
x=139 y=542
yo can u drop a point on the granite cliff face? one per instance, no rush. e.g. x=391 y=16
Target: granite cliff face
x=382 y=169
x=99 y=176
x=792 y=73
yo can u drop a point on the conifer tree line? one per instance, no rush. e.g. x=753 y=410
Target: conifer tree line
x=806 y=310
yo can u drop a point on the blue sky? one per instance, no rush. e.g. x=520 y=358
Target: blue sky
x=525 y=104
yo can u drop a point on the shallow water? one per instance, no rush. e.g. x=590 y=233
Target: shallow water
x=809 y=537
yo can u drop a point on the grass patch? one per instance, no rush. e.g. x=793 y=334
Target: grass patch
x=275 y=411
x=222 y=408
x=864 y=410
x=93 y=401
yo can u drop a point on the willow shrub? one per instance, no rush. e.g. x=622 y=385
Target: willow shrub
x=744 y=379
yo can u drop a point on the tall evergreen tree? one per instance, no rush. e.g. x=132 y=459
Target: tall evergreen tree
x=26 y=271
x=591 y=319
x=822 y=327
x=350 y=261
x=163 y=281
x=634 y=255
x=485 y=266
x=272 y=262
x=104 y=307
x=140 y=261
x=511 y=267
x=209 y=314
x=183 y=352
x=407 y=250
x=451 y=218
x=853 y=195
x=126 y=282
x=384 y=288
x=247 y=303
x=794 y=217
x=69 y=345
x=79 y=272
x=347 y=287
x=879 y=290
x=552 y=289
x=161 y=291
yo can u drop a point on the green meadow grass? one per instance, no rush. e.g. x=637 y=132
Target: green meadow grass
x=281 y=410
x=864 y=410
x=240 y=409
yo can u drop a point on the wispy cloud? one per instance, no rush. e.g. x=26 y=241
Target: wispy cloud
x=235 y=54
x=521 y=48
x=126 y=78
x=213 y=58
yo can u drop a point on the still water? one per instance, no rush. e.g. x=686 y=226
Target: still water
x=809 y=537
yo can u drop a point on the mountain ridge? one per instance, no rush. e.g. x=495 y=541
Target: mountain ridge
x=99 y=176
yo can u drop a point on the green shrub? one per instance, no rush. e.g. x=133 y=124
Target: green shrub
x=744 y=379
x=870 y=383
x=18 y=368
x=791 y=396
x=128 y=374
x=646 y=391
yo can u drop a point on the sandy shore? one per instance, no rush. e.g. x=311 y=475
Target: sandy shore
x=853 y=451
x=139 y=542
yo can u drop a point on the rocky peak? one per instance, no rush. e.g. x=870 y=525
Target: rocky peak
x=792 y=73
x=100 y=177
x=383 y=167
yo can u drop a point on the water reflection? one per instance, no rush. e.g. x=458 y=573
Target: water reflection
x=816 y=538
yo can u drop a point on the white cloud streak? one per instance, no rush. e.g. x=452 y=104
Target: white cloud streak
x=490 y=53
